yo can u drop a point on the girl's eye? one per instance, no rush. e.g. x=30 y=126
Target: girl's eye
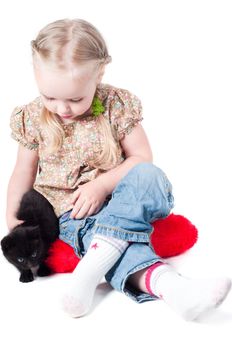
x=33 y=255
x=52 y=99
x=48 y=98
x=77 y=100
x=21 y=260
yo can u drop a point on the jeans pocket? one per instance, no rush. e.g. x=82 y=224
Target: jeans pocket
x=67 y=233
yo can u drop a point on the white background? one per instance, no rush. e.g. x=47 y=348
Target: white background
x=176 y=56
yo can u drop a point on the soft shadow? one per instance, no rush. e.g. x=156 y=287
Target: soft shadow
x=103 y=290
x=215 y=317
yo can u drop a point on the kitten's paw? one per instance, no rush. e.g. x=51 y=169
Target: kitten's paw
x=43 y=271
x=26 y=276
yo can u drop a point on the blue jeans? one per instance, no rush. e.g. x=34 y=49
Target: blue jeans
x=141 y=197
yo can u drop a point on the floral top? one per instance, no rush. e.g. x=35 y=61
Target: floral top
x=60 y=174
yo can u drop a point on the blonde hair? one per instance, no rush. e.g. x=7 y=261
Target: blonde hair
x=76 y=41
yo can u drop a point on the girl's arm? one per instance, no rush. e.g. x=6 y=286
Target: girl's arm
x=137 y=150
x=89 y=198
x=22 y=179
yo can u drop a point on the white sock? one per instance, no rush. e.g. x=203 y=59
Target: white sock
x=102 y=254
x=190 y=298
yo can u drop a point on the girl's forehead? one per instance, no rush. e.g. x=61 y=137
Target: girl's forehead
x=66 y=84
x=79 y=70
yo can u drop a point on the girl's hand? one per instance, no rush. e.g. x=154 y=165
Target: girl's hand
x=88 y=199
x=13 y=222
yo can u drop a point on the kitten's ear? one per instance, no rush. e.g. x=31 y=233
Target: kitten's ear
x=7 y=243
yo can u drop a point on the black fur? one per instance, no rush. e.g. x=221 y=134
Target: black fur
x=26 y=246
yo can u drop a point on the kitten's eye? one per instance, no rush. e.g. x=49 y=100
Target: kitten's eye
x=21 y=260
x=33 y=255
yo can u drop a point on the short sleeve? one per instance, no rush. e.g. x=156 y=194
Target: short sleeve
x=125 y=112
x=23 y=128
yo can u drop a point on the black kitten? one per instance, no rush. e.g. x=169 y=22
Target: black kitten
x=26 y=246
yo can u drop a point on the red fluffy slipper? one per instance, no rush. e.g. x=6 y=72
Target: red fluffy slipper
x=171 y=236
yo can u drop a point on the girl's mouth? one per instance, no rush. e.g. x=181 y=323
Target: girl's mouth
x=65 y=116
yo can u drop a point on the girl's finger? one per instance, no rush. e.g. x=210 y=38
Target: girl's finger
x=91 y=211
x=77 y=207
x=83 y=211
x=75 y=196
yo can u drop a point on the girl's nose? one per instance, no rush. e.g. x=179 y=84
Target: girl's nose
x=62 y=108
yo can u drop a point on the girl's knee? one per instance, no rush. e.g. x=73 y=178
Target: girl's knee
x=145 y=169
x=155 y=181
x=149 y=172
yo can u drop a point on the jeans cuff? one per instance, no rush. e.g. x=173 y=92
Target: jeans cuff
x=117 y=232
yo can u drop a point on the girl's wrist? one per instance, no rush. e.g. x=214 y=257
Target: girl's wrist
x=103 y=185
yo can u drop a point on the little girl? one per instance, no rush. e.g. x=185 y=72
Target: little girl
x=82 y=146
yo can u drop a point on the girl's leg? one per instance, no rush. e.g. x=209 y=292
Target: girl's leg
x=102 y=254
x=189 y=297
x=143 y=195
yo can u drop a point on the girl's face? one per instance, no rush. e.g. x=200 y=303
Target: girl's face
x=67 y=93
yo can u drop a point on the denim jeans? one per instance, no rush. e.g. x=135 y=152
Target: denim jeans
x=141 y=197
